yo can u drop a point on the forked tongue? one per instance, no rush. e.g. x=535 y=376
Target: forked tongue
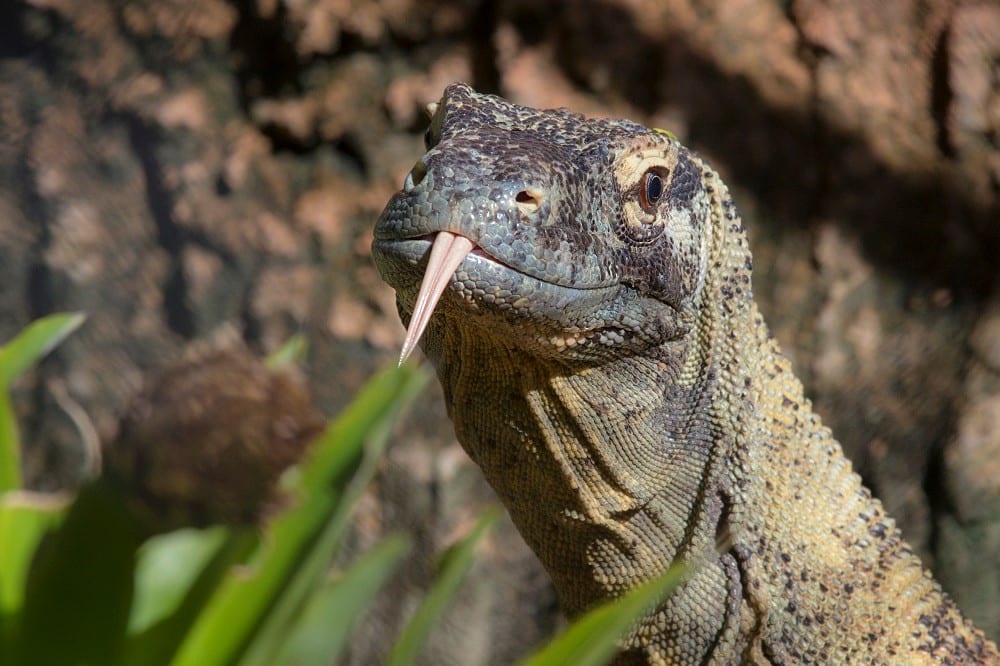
x=447 y=253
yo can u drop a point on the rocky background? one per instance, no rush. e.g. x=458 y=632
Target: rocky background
x=185 y=170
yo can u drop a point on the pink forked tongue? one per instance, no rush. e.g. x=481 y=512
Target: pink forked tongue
x=447 y=253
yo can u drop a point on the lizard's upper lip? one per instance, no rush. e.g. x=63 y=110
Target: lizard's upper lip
x=558 y=254
x=416 y=245
x=476 y=251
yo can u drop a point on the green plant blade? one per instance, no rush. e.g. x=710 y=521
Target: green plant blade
x=10 y=445
x=176 y=574
x=291 y=352
x=31 y=344
x=592 y=640
x=166 y=567
x=79 y=586
x=25 y=518
x=281 y=618
x=324 y=625
x=34 y=342
x=455 y=564
x=245 y=597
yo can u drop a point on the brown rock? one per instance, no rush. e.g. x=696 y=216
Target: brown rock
x=207 y=439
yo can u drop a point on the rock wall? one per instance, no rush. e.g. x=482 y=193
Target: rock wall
x=183 y=169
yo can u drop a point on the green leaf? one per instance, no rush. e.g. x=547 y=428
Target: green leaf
x=281 y=618
x=25 y=518
x=166 y=568
x=79 y=586
x=592 y=640
x=456 y=562
x=246 y=596
x=324 y=625
x=10 y=445
x=292 y=352
x=176 y=575
x=34 y=342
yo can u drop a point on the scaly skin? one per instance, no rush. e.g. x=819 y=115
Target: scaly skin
x=604 y=363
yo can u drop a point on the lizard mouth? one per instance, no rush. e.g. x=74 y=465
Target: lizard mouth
x=561 y=316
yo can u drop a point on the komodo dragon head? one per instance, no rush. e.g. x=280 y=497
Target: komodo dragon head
x=574 y=237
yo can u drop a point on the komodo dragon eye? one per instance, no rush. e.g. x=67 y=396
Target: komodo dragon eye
x=433 y=133
x=652 y=189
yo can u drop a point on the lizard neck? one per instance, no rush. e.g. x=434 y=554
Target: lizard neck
x=813 y=546
x=598 y=466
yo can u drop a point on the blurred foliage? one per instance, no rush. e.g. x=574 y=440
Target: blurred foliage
x=82 y=581
x=15 y=358
x=593 y=638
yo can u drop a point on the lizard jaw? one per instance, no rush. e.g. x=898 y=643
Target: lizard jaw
x=446 y=254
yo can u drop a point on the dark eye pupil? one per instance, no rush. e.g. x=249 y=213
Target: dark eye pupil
x=654 y=187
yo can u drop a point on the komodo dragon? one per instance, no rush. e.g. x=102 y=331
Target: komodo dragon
x=583 y=289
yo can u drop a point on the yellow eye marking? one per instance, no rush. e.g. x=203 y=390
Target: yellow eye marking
x=666 y=133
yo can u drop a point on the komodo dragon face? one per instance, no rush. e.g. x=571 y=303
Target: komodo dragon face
x=561 y=235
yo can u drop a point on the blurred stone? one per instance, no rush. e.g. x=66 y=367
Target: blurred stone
x=207 y=439
x=985 y=339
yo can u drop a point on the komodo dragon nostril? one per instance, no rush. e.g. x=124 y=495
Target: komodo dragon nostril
x=529 y=200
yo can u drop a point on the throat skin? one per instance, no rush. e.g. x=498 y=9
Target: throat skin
x=612 y=471
x=580 y=458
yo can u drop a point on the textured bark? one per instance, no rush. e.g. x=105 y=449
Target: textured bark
x=181 y=168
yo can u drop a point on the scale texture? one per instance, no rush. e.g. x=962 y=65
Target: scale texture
x=605 y=364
